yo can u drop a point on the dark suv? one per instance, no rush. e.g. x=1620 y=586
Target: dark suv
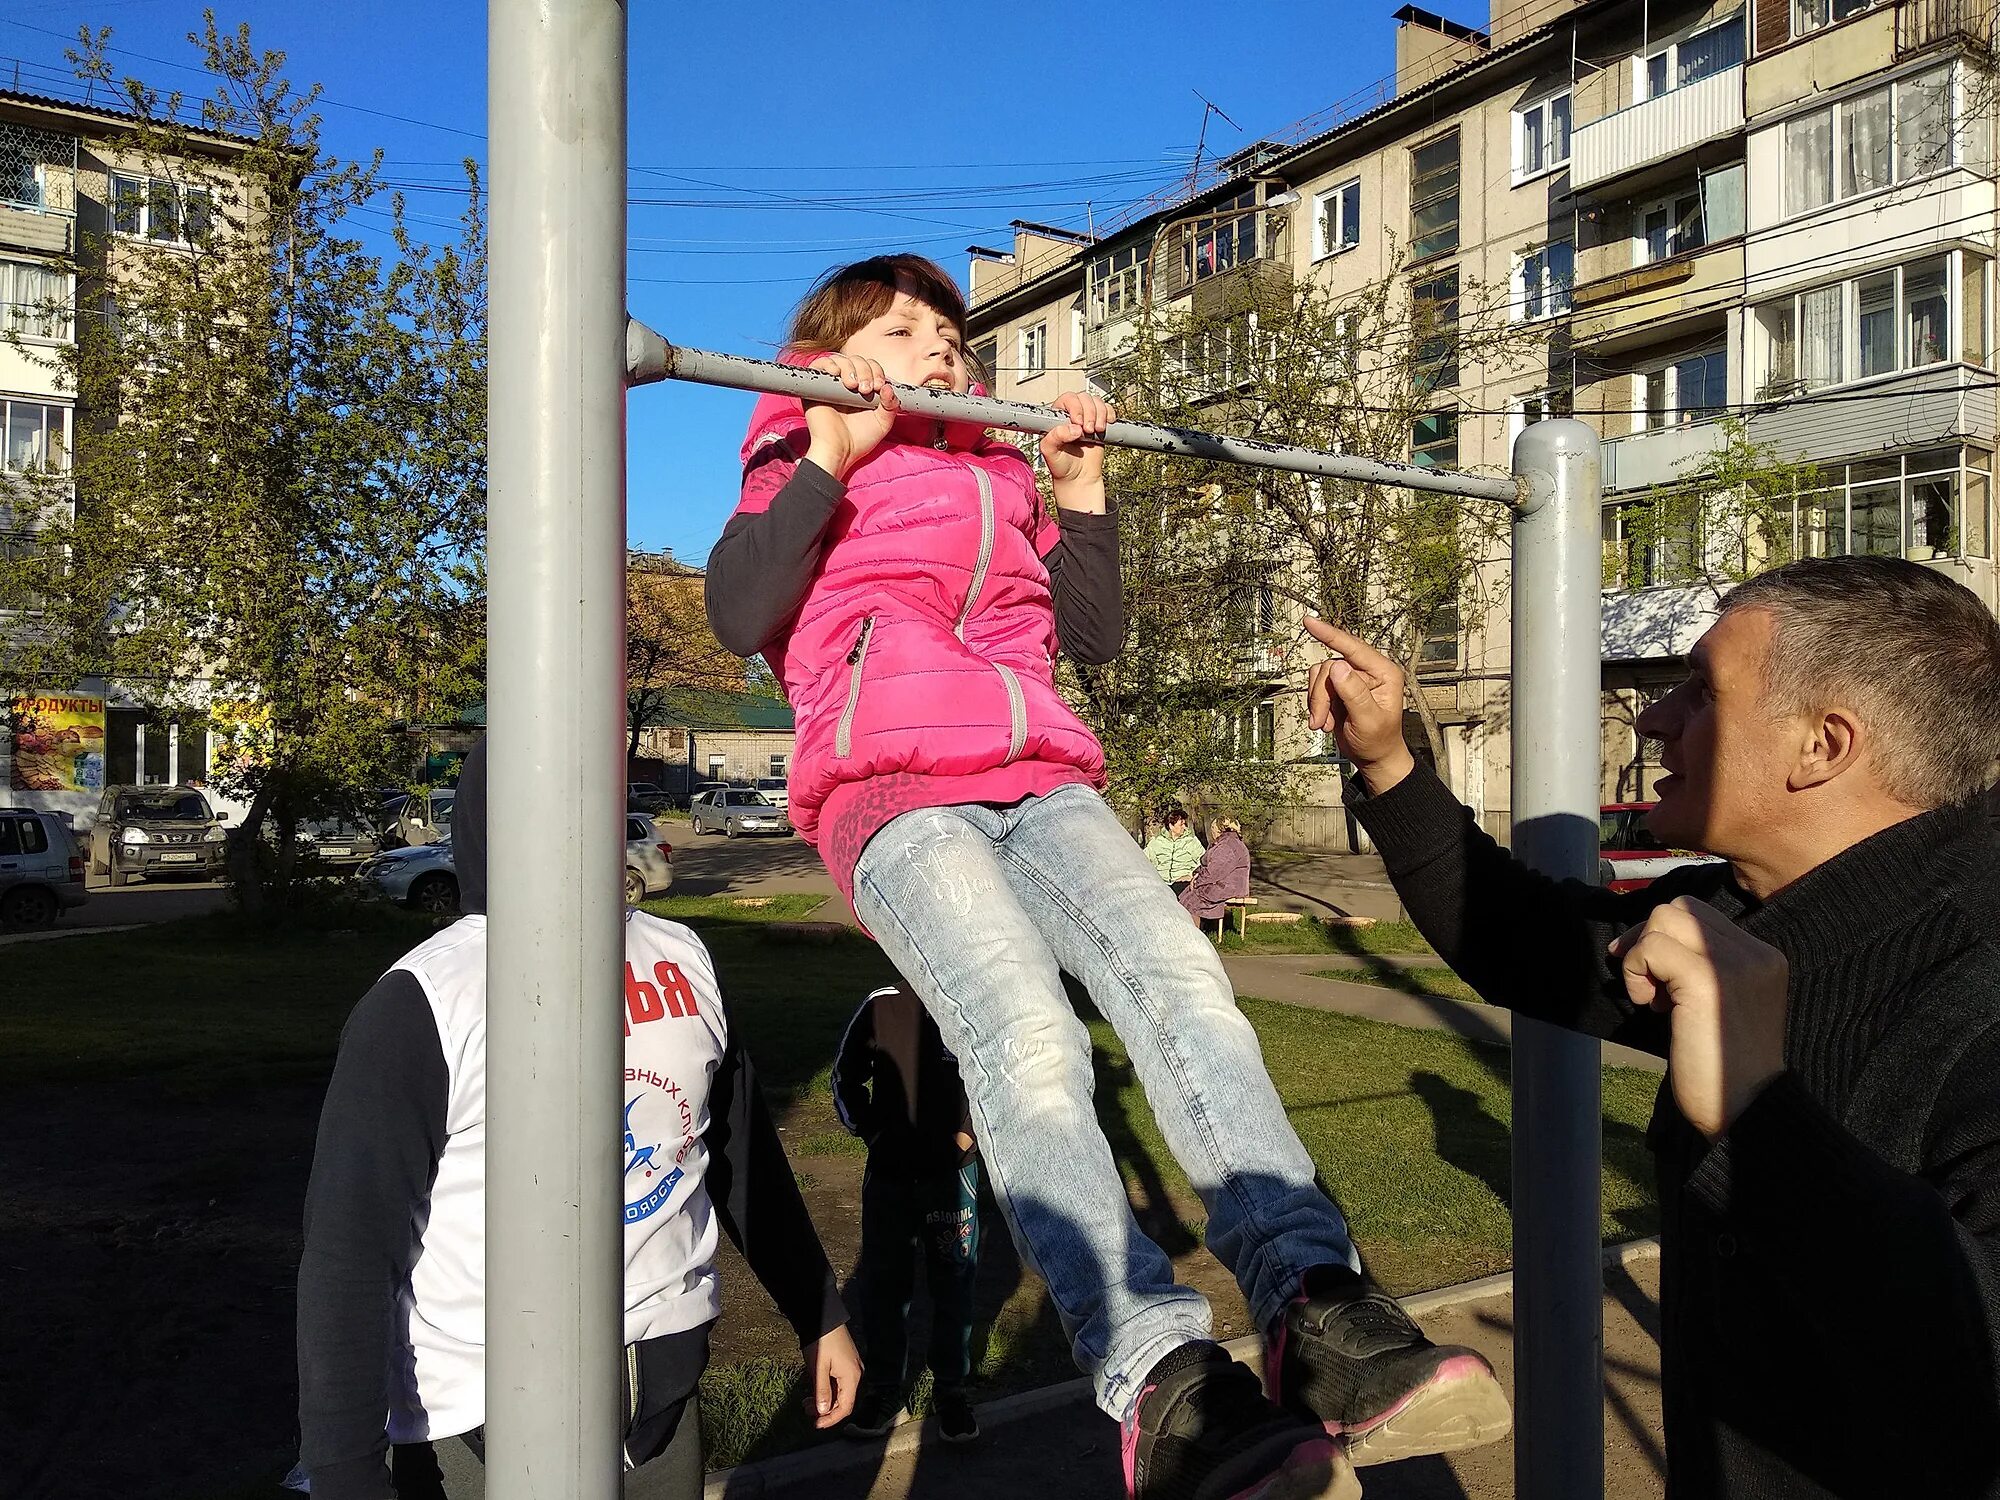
x=156 y=830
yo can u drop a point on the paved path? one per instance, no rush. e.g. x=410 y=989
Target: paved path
x=1055 y=1442
x=1289 y=978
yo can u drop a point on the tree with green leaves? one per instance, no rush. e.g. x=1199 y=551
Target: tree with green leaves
x=1220 y=559
x=1728 y=516
x=274 y=514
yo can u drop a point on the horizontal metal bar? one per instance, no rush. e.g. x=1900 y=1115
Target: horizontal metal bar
x=649 y=358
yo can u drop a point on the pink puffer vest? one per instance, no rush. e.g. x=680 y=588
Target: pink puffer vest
x=927 y=642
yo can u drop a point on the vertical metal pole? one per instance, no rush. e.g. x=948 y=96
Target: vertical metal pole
x=555 y=665
x=1558 y=1278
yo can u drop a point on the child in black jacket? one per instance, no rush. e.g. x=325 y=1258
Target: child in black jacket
x=897 y=1088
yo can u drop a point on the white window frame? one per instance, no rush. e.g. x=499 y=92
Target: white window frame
x=145 y=188
x=1827 y=17
x=1544 y=405
x=1849 y=288
x=1123 y=271
x=1076 y=335
x=1674 y=411
x=7 y=405
x=1641 y=255
x=1553 y=292
x=13 y=306
x=1544 y=108
x=1963 y=152
x=1330 y=211
x=1642 y=89
x=1034 y=348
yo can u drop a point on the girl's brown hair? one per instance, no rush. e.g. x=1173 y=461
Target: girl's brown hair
x=849 y=298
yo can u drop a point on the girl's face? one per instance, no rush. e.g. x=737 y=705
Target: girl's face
x=915 y=344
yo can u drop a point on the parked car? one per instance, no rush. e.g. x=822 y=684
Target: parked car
x=419 y=875
x=339 y=842
x=156 y=830
x=776 y=789
x=424 y=876
x=41 y=868
x=733 y=810
x=647 y=797
x=649 y=861
x=420 y=818
x=1631 y=857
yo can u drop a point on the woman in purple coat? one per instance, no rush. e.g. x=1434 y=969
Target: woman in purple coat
x=1222 y=875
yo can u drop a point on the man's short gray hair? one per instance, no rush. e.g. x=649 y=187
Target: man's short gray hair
x=1912 y=652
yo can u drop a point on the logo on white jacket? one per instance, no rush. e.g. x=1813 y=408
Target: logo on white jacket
x=650 y=1179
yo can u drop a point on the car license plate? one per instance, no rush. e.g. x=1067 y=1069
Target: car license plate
x=179 y=858
x=335 y=853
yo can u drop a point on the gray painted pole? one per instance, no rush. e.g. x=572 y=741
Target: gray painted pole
x=556 y=705
x=1558 y=1278
x=649 y=357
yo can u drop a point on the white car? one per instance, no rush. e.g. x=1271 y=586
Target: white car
x=649 y=861
x=732 y=810
x=776 y=789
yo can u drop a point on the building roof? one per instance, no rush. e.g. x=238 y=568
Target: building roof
x=118 y=117
x=693 y=709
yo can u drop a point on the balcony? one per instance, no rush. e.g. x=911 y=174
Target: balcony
x=1937 y=404
x=1658 y=130
x=1924 y=24
x=1637 y=305
x=37 y=189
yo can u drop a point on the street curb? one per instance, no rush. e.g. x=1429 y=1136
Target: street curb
x=69 y=932
x=776 y=1475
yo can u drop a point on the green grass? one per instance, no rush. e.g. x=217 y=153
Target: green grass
x=1310 y=935
x=784 y=906
x=1439 y=983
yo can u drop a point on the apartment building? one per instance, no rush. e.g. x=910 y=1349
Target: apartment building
x=1777 y=222
x=75 y=200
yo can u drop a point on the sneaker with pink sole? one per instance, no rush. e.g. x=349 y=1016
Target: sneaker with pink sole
x=1204 y=1430
x=1346 y=1355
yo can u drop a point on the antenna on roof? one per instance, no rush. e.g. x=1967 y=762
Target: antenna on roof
x=1208 y=107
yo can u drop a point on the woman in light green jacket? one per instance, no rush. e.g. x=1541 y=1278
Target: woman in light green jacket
x=1175 y=851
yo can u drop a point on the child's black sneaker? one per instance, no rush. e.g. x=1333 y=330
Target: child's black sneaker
x=875 y=1412
x=1203 y=1430
x=955 y=1418
x=1346 y=1354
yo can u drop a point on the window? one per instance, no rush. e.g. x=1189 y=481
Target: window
x=1034 y=349
x=36 y=301
x=1926 y=505
x=1434 y=320
x=1541 y=137
x=1652 y=542
x=1434 y=198
x=1076 y=335
x=36 y=563
x=1871 y=141
x=1898 y=318
x=986 y=362
x=1691 y=59
x=1434 y=440
x=1438 y=651
x=1223 y=241
x=1537 y=406
x=1337 y=219
x=715 y=765
x=779 y=766
x=1668 y=227
x=1117 y=284
x=1687 y=389
x=1811 y=15
x=153 y=208
x=1542 y=281
x=36 y=436
x=1221 y=356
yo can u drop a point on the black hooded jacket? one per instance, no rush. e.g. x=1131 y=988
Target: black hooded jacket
x=381 y=1133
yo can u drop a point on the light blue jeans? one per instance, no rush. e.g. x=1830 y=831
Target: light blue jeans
x=982 y=909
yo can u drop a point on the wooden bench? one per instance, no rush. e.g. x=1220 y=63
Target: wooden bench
x=1241 y=906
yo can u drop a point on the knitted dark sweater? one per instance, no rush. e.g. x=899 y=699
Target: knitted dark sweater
x=1830 y=1277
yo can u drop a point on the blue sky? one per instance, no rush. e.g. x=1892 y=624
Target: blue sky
x=914 y=126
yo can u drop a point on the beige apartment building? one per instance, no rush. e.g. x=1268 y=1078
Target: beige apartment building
x=75 y=201
x=1700 y=213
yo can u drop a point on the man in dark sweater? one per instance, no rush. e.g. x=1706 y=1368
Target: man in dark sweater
x=1828 y=1136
